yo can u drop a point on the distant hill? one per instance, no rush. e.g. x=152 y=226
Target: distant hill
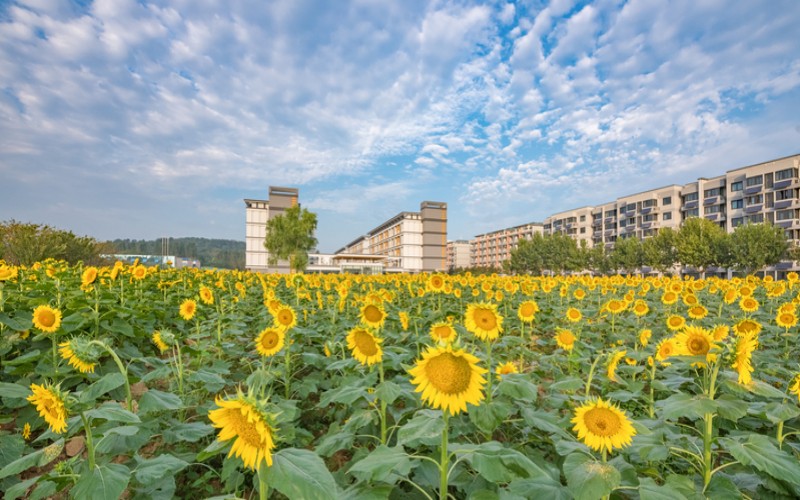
x=225 y=254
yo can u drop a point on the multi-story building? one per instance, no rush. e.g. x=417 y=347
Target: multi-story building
x=575 y=223
x=492 y=249
x=411 y=241
x=457 y=254
x=258 y=212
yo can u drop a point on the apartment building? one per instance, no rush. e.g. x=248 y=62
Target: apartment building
x=411 y=241
x=575 y=223
x=457 y=254
x=492 y=249
x=257 y=213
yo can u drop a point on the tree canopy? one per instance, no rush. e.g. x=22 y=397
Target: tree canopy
x=699 y=244
x=659 y=251
x=290 y=236
x=24 y=243
x=756 y=246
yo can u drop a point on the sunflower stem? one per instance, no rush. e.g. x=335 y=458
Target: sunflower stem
x=122 y=370
x=651 y=409
x=287 y=376
x=443 y=469
x=708 y=431
x=779 y=435
x=489 y=377
x=383 y=406
x=263 y=486
x=591 y=375
x=89 y=442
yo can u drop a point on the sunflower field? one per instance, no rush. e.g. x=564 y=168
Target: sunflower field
x=134 y=382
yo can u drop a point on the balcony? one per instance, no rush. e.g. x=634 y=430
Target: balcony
x=609 y=220
x=782 y=184
x=646 y=225
x=609 y=232
x=751 y=209
x=752 y=189
x=710 y=201
x=712 y=216
x=689 y=204
x=784 y=204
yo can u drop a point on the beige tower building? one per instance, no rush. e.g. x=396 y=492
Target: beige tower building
x=492 y=249
x=457 y=255
x=258 y=212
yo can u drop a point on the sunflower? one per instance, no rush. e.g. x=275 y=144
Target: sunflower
x=786 y=319
x=565 y=339
x=26 y=431
x=240 y=418
x=7 y=273
x=579 y=294
x=615 y=306
x=676 y=322
x=721 y=332
x=483 y=320
x=435 y=283
x=505 y=369
x=748 y=304
x=443 y=332
x=206 y=295
x=158 y=341
x=602 y=426
x=746 y=326
x=640 y=308
x=696 y=341
x=573 y=315
x=187 y=309
x=794 y=388
x=527 y=311
x=49 y=403
x=644 y=337
x=669 y=298
x=448 y=379
x=139 y=272
x=403 y=320
x=745 y=345
x=792 y=277
x=89 y=276
x=665 y=349
x=745 y=291
x=689 y=299
x=730 y=296
x=46 y=318
x=697 y=312
x=366 y=348
x=373 y=315
x=270 y=341
x=78 y=355
x=285 y=318
x=613 y=361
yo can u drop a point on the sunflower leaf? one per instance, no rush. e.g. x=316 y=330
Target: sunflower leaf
x=383 y=464
x=499 y=464
x=301 y=474
x=589 y=479
x=424 y=428
x=759 y=452
x=104 y=482
x=14 y=391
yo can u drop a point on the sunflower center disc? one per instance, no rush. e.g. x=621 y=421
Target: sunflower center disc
x=47 y=318
x=485 y=319
x=442 y=332
x=373 y=314
x=269 y=340
x=245 y=430
x=698 y=346
x=602 y=422
x=526 y=310
x=448 y=373
x=285 y=318
x=365 y=343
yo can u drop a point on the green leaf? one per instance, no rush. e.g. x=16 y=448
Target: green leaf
x=766 y=390
x=346 y=394
x=107 y=383
x=11 y=448
x=518 y=386
x=210 y=380
x=301 y=474
x=104 y=482
x=25 y=358
x=119 y=326
x=151 y=470
x=16 y=324
x=540 y=487
x=215 y=448
x=497 y=463
x=759 y=452
x=334 y=442
x=382 y=464
x=154 y=401
x=21 y=464
x=567 y=384
x=113 y=412
x=425 y=428
x=589 y=479
x=388 y=391
x=14 y=391
x=722 y=487
x=649 y=490
x=20 y=489
x=686 y=405
x=781 y=412
x=488 y=416
x=191 y=432
x=731 y=408
x=543 y=421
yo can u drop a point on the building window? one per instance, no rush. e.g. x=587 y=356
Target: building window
x=710 y=193
x=737 y=221
x=713 y=209
x=784 y=214
x=786 y=194
x=754 y=181
x=755 y=199
x=649 y=203
x=690 y=197
x=737 y=204
x=583 y=218
x=692 y=213
x=755 y=219
x=667 y=200
x=583 y=230
x=736 y=186
x=666 y=216
x=784 y=174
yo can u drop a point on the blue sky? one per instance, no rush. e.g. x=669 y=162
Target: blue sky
x=141 y=119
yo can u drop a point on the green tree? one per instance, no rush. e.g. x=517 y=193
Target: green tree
x=627 y=255
x=291 y=236
x=25 y=243
x=756 y=246
x=700 y=244
x=599 y=260
x=659 y=251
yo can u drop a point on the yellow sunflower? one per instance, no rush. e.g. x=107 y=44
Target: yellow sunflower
x=366 y=348
x=742 y=363
x=579 y=294
x=448 y=379
x=747 y=326
x=721 y=332
x=7 y=273
x=403 y=320
x=49 y=403
x=139 y=272
x=26 y=431
x=676 y=322
x=665 y=349
x=565 y=339
x=786 y=319
x=435 y=283
x=697 y=312
x=46 y=318
x=690 y=299
x=188 y=309
x=443 y=332
x=748 y=304
x=285 y=317
x=373 y=315
x=669 y=298
x=640 y=308
x=527 y=311
x=505 y=369
x=574 y=315
x=603 y=426
x=644 y=337
x=730 y=296
x=696 y=341
x=270 y=341
x=206 y=295
x=242 y=420
x=89 y=276
x=794 y=388
x=615 y=306
x=158 y=341
x=613 y=362
x=745 y=291
x=77 y=356
x=483 y=320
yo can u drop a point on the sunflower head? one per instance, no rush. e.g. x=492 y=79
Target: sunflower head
x=696 y=341
x=162 y=340
x=746 y=326
x=46 y=318
x=786 y=319
x=644 y=337
x=443 y=332
x=206 y=295
x=721 y=332
x=748 y=304
x=242 y=420
x=698 y=312
x=448 y=379
x=80 y=354
x=565 y=339
x=573 y=315
x=613 y=362
x=676 y=322
x=794 y=386
x=8 y=273
x=403 y=320
x=640 y=308
x=187 y=309
x=365 y=346
x=270 y=341
x=139 y=272
x=669 y=297
x=615 y=306
x=665 y=349
x=435 y=283
x=89 y=276
x=527 y=311
x=506 y=369
x=743 y=352
x=603 y=426
x=49 y=402
x=285 y=318
x=373 y=315
x=483 y=320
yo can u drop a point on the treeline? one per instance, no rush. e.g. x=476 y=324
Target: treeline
x=699 y=244
x=24 y=243
x=224 y=254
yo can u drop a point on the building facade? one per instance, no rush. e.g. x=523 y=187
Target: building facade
x=257 y=213
x=492 y=249
x=410 y=241
x=457 y=254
